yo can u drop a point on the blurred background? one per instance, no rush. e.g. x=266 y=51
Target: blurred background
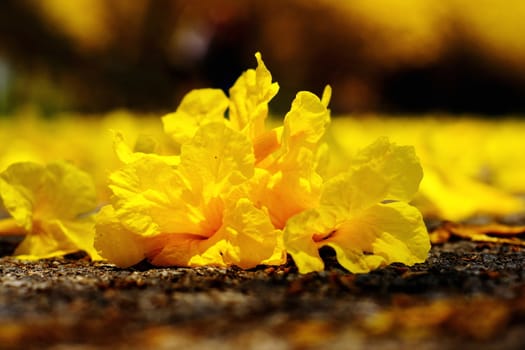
x=384 y=56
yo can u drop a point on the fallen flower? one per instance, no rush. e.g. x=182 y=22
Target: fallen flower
x=363 y=216
x=453 y=196
x=51 y=206
x=235 y=185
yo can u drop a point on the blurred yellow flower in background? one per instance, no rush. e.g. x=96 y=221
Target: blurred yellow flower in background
x=471 y=166
x=83 y=140
x=52 y=206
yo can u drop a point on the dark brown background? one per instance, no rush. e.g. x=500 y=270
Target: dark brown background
x=379 y=56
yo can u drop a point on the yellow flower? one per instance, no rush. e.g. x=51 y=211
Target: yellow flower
x=249 y=98
x=457 y=184
x=51 y=205
x=293 y=183
x=198 y=107
x=191 y=214
x=363 y=215
x=456 y=196
x=225 y=198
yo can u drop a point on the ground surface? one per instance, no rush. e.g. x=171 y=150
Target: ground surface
x=466 y=296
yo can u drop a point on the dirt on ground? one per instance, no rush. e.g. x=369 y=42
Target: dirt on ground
x=465 y=296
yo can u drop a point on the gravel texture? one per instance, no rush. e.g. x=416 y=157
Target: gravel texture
x=465 y=296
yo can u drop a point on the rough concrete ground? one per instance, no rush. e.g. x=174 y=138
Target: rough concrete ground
x=465 y=296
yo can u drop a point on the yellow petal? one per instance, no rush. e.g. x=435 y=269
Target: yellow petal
x=150 y=198
x=126 y=155
x=55 y=238
x=53 y=204
x=291 y=191
x=217 y=156
x=306 y=121
x=354 y=191
x=267 y=143
x=294 y=184
x=327 y=95
x=384 y=234
x=254 y=241
x=399 y=166
x=68 y=192
x=454 y=196
x=197 y=108
x=82 y=233
x=48 y=242
x=299 y=234
x=114 y=242
x=249 y=98
x=58 y=190
x=186 y=250
x=19 y=185
x=363 y=239
x=246 y=239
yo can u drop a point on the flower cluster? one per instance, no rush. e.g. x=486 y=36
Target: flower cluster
x=232 y=191
x=239 y=193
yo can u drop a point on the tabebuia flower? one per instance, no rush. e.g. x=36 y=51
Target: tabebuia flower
x=226 y=196
x=363 y=214
x=216 y=206
x=51 y=206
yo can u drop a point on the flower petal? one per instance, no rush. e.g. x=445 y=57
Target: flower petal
x=197 y=108
x=114 y=242
x=306 y=121
x=292 y=190
x=69 y=192
x=249 y=98
x=126 y=155
x=150 y=198
x=299 y=234
x=246 y=239
x=187 y=250
x=383 y=234
x=399 y=166
x=59 y=190
x=56 y=238
x=254 y=240
x=354 y=191
x=217 y=156
x=364 y=236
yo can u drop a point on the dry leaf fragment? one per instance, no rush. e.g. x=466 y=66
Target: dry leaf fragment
x=491 y=233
